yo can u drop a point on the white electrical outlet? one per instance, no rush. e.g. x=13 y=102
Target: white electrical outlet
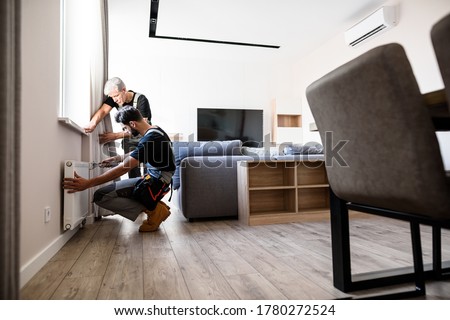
x=47 y=214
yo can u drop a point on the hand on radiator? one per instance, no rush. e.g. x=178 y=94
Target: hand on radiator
x=77 y=183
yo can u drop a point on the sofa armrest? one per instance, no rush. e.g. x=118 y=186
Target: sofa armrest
x=209 y=186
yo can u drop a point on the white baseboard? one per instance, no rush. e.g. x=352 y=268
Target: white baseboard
x=36 y=263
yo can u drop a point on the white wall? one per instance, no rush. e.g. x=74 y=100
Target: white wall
x=44 y=142
x=177 y=87
x=416 y=18
x=180 y=76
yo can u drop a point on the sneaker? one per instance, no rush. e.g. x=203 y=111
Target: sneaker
x=155 y=218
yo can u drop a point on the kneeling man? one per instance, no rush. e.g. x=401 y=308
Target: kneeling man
x=130 y=197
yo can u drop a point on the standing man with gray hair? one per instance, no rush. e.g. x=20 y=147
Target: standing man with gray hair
x=117 y=97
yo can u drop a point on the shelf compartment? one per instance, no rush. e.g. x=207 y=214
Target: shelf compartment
x=271 y=174
x=311 y=173
x=313 y=199
x=272 y=201
x=289 y=120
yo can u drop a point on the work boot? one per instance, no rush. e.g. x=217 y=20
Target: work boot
x=155 y=218
x=165 y=205
x=149 y=213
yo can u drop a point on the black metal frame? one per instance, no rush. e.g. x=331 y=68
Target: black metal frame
x=340 y=237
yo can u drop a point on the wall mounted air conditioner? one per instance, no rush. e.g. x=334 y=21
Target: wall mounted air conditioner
x=379 y=21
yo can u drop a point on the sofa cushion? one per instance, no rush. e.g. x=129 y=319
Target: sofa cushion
x=308 y=148
x=261 y=153
x=302 y=157
x=183 y=149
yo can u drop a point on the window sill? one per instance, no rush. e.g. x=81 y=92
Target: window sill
x=69 y=123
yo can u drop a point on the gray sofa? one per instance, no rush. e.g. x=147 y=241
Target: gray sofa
x=205 y=180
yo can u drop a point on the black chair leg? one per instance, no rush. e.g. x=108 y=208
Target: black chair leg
x=341 y=258
x=418 y=259
x=437 y=252
x=340 y=239
x=419 y=274
x=441 y=269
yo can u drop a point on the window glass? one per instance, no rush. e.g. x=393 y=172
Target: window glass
x=75 y=62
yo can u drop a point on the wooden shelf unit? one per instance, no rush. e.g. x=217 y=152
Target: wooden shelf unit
x=282 y=191
x=286 y=121
x=289 y=120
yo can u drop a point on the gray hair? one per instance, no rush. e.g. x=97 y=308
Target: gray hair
x=113 y=84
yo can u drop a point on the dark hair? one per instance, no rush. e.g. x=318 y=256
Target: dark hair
x=127 y=114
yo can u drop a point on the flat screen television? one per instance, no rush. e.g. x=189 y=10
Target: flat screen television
x=230 y=124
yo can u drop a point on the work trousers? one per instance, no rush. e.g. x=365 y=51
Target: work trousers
x=118 y=198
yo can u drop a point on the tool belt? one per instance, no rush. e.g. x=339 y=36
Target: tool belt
x=149 y=191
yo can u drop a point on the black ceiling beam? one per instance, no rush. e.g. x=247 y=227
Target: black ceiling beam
x=154 y=7
x=218 y=42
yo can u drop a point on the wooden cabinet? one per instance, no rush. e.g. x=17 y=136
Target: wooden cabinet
x=282 y=191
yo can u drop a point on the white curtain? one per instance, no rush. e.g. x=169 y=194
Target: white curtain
x=10 y=148
x=98 y=75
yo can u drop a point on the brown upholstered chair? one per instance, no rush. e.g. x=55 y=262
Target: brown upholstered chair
x=440 y=36
x=390 y=162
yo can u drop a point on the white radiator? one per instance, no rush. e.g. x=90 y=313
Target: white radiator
x=76 y=205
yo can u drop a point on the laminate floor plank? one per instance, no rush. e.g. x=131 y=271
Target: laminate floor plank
x=202 y=277
x=73 y=249
x=223 y=259
x=95 y=258
x=287 y=280
x=82 y=288
x=156 y=244
x=46 y=281
x=124 y=275
x=305 y=261
x=254 y=287
x=221 y=254
x=163 y=279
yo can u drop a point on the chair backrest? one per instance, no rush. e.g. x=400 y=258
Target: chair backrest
x=392 y=154
x=440 y=36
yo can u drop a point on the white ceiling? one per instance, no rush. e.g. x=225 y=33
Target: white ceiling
x=297 y=26
x=294 y=25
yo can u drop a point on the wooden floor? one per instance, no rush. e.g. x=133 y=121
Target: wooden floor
x=110 y=259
